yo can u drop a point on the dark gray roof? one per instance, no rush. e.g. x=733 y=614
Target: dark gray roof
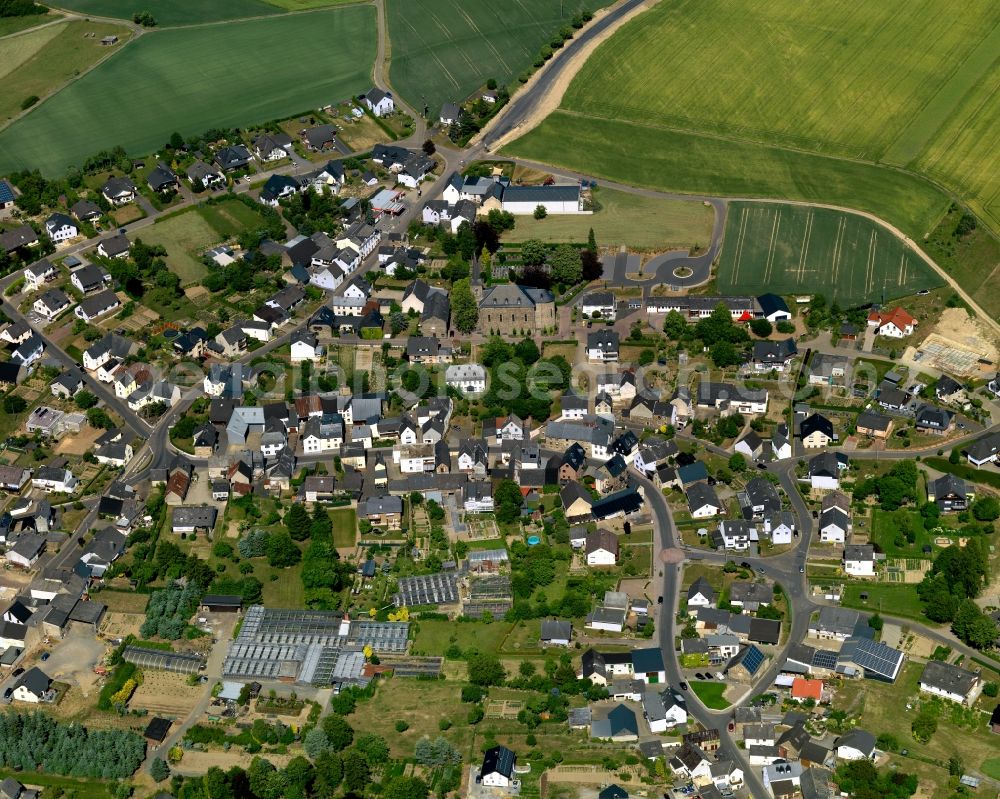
x=554 y=629
x=542 y=194
x=946 y=677
x=861 y=740
x=35 y=680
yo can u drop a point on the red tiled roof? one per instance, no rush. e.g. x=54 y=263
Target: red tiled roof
x=807 y=689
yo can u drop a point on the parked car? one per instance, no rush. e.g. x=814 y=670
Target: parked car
x=7 y=693
x=17 y=672
x=684 y=685
x=46 y=655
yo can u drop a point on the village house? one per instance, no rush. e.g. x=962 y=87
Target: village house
x=896 y=323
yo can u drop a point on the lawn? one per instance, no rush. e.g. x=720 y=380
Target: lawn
x=904 y=84
x=710 y=693
x=174 y=12
x=285 y=592
x=696 y=163
x=434 y=637
x=38 y=61
x=991 y=768
x=345 y=527
x=884 y=531
x=891 y=599
x=788 y=249
x=442 y=50
x=206 y=77
x=185 y=237
x=666 y=224
x=229 y=217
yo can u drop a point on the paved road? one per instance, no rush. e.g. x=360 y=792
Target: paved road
x=523 y=103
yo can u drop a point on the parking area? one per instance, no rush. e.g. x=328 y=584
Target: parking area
x=72 y=659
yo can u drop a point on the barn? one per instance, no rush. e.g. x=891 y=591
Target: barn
x=555 y=199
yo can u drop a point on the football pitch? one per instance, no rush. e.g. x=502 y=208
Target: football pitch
x=788 y=249
x=192 y=79
x=443 y=50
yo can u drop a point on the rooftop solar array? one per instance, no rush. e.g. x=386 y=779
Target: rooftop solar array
x=427 y=589
x=753 y=659
x=824 y=659
x=877 y=658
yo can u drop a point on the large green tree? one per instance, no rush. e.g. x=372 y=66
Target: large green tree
x=485 y=670
x=297 y=521
x=464 y=308
x=566 y=266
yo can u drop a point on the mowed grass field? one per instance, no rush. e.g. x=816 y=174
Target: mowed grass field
x=40 y=60
x=660 y=158
x=174 y=12
x=204 y=77
x=9 y=25
x=442 y=50
x=665 y=225
x=748 y=96
x=790 y=249
x=187 y=235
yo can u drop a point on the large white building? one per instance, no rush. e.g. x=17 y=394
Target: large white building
x=555 y=199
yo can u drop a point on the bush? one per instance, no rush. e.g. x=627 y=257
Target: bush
x=29 y=101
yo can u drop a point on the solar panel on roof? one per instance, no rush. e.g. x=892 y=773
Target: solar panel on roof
x=824 y=659
x=877 y=657
x=753 y=659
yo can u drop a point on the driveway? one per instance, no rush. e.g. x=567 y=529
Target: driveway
x=73 y=659
x=676 y=269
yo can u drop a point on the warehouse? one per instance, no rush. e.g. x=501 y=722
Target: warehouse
x=555 y=199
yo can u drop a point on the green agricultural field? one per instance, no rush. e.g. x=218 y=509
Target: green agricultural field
x=901 y=83
x=443 y=50
x=174 y=12
x=185 y=237
x=209 y=76
x=788 y=249
x=9 y=25
x=699 y=164
x=40 y=60
x=666 y=224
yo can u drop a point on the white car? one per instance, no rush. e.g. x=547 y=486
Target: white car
x=719 y=675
